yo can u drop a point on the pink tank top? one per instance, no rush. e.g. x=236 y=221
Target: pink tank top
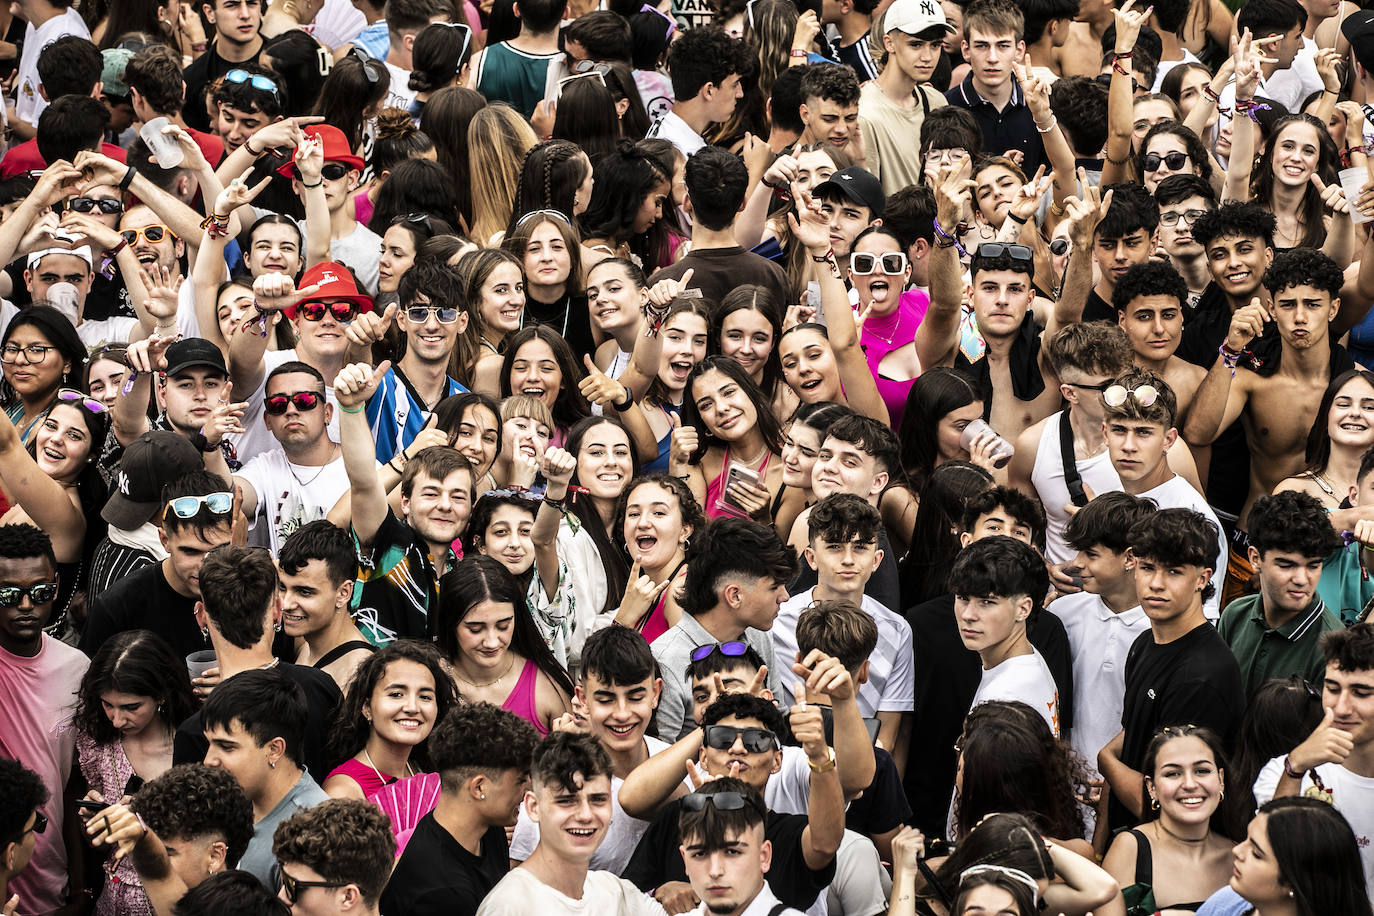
x=883 y=335
x=521 y=699
x=364 y=775
x=655 y=623
x=715 y=489
x=362 y=207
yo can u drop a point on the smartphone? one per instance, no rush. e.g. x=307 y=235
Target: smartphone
x=738 y=473
x=91 y=805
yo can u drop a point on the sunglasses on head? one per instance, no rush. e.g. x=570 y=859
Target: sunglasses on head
x=1059 y=246
x=728 y=649
x=418 y=219
x=275 y=405
x=419 y=314
x=42 y=593
x=598 y=75
x=153 y=234
x=107 y=205
x=189 y=506
x=370 y=71
x=342 y=312
x=999 y=249
x=1116 y=395
x=72 y=396
x=256 y=80
x=292 y=887
x=755 y=740
x=1174 y=161
x=892 y=263
x=672 y=23
x=721 y=801
x=1099 y=387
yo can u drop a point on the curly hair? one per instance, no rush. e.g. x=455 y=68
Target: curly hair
x=480 y=737
x=343 y=839
x=191 y=801
x=844 y=517
x=1090 y=346
x=1177 y=537
x=22 y=792
x=1303 y=267
x=1150 y=278
x=1245 y=219
x=564 y=756
x=21 y=541
x=230 y=893
x=1292 y=522
x=689 y=510
x=352 y=726
x=139 y=663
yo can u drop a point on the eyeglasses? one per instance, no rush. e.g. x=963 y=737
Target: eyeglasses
x=1061 y=245
x=672 y=23
x=1014 y=874
x=71 y=395
x=189 y=506
x=108 y=205
x=467 y=39
x=1100 y=386
x=152 y=234
x=953 y=155
x=419 y=314
x=721 y=801
x=892 y=263
x=1116 y=395
x=42 y=593
x=333 y=171
x=999 y=249
x=728 y=649
x=33 y=353
x=755 y=740
x=342 y=312
x=417 y=219
x=275 y=405
x=292 y=887
x=1174 y=161
x=1172 y=217
x=256 y=80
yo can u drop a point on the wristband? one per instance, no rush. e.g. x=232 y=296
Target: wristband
x=1207 y=91
x=1054 y=122
x=128 y=178
x=828 y=256
x=945 y=240
x=1016 y=219
x=1289 y=770
x=626 y=404
x=358 y=409
x=312 y=186
x=797 y=52
x=1229 y=358
x=1248 y=108
x=392 y=464
x=248 y=145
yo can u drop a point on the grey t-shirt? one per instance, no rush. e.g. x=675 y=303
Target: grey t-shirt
x=258 y=859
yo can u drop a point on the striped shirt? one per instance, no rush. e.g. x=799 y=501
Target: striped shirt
x=396 y=413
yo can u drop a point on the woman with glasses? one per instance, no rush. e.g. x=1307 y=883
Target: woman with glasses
x=549 y=247
x=1168 y=149
x=496 y=653
x=131 y=700
x=39 y=353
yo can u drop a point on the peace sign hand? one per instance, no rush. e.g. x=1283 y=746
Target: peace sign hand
x=238 y=193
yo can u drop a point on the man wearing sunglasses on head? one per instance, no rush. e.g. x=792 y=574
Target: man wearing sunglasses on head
x=236 y=41
x=38 y=678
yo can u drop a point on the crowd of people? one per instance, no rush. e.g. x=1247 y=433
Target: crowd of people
x=798 y=456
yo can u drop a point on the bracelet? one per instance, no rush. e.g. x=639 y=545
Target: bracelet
x=248 y=145
x=1288 y=769
x=128 y=179
x=1248 y=108
x=358 y=409
x=828 y=256
x=312 y=186
x=560 y=503
x=392 y=464
x=1207 y=91
x=123 y=243
x=626 y=404
x=1326 y=91
x=1015 y=219
x=1117 y=68
x=798 y=52
x=945 y=240
x=200 y=46
x=1229 y=358
x=1054 y=122
x=215 y=226
x=1123 y=55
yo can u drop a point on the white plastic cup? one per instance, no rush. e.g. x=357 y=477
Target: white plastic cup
x=1352 y=181
x=164 y=147
x=197 y=663
x=1002 y=450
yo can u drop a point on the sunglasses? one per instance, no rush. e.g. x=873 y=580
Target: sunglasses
x=467 y=39
x=1144 y=396
x=891 y=263
x=331 y=171
x=256 y=80
x=755 y=740
x=1174 y=161
x=276 y=405
x=598 y=75
x=342 y=312
x=370 y=72
x=189 y=506
x=40 y=820
x=419 y=314
x=721 y=801
x=10 y=596
x=107 y=205
x=418 y=219
x=1172 y=218
x=1099 y=387
x=672 y=23
x=728 y=649
x=999 y=249
x=292 y=887
x=1061 y=245
x=152 y=234
x=71 y=396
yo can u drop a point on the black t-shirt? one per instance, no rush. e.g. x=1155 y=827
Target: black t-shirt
x=947 y=677
x=143 y=600
x=717 y=271
x=400 y=586
x=202 y=71
x=568 y=316
x=884 y=586
x=1204 y=327
x=436 y=876
x=883 y=805
x=1099 y=309
x=321 y=698
x=658 y=860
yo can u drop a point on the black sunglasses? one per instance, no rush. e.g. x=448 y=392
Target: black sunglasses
x=42 y=593
x=730 y=649
x=998 y=249
x=303 y=400
x=1059 y=246
x=721 y=801
x=292 y=887
x=1099 y=387
x=1174 y=161
x=755 y=740
x=107 y=205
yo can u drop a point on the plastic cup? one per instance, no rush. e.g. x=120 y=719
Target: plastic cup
x=164 y=147
x=1352 y=180
x=197 y=663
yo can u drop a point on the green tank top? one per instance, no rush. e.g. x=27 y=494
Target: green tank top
x=513 y=76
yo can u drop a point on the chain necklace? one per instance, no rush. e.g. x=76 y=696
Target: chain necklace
x=488 y=683
x=305 y=483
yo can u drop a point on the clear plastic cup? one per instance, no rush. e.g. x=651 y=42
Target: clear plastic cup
x=164 y=147
x=197 y=663
x=1352 y=180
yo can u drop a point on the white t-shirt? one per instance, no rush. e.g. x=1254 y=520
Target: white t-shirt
x=96 y=334
x=1177 y=493
x=1099 y=640
x=672 y=128
x=1166 y=65
x=603 y=894
x=290 y=495
x=1025 y=678
x=400 y=95
x=1300 y=80
x=361 y=250
x=1351 y=795
x=28 y=102
x=1047 y=476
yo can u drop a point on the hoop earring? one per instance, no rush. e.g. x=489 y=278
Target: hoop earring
x=1154 y=803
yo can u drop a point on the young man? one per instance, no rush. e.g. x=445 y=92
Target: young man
x=1149 y=300
x=1336 y=762
x=570 y=800
x=1237 y=244
x=1288 y=74
x=737 y=577
x=245 y=105
x=842 y=549
x=350 y=242
x=993 y=41
x=726 y=852
x=158 y=90
x=301 y=480
x=255 y=723
x=893 y=106
x=1104 y=619
x=1277 y=632
x=705 y=65
x=39 y=676
x=189 y=389
x=1079 y=104
x=1126 y=236
x=335 y=858
x=1046 y=32
x=1182 y=201
x=21 y=821
x=851 y=200
x=830 y=108
x=1167 y=21
x=1138 y=423
x=402 y=560
x=1086 y=357
x=406 y=19
x=1082 y=52
x=1275 y=395
x=457 y=853
x=195 y=517
x=237 y=41
x=1181 y=672
x=48 y=21
x=998 y=582
x=316 y=569
x=617 y=693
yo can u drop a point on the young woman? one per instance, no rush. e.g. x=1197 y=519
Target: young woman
x=400 y=246
x=497 y=654
x=397 y=139
x=628 y=197
x=1002 y=891
x=556 y=175
x=878 y=270
x=448 y=116
x=473 y=423
x=351 y=96
x=658 y=516
x=498 y=140
x=495 y=287
x=1182 y=857
x=1299 y=858
x=925 y=573
x=1298 y=149
x=416 y=186
x=801 y=446
x=1169 y=148
x=939 y=405
x=39 y=353
x=996 y=181
x=747 y=325
x=727 y=424
x=1281 y=714
x=539 y=363
x=682 y=344
x=616 y=297
x=104 y=376
x=131 y=700
x=439 y=60
x=548 y=246
x=1184 y=84
x=526 y=425
x=587 y=114
x=395 y=699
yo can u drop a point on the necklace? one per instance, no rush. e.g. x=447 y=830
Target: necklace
x=1181 y=839
x=488 y=683
x=386 y=781
x=305 y=483
x=872 y=326
x=750 y=462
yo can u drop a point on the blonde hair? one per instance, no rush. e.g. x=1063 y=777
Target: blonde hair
x=522 y=405
x=498 y=141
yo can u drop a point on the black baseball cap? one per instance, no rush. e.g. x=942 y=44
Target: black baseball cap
x=1358 y=29
x=149 y=462
x=195 y=351
x=859 y=185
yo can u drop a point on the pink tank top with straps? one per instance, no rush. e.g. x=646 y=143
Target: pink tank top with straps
x=521 y=699
x=715 y=488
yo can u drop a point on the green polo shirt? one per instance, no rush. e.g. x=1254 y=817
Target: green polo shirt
x=1266 y=652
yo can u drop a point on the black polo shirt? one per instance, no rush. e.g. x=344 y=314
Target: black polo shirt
x=1012 y=128
x=436 y=876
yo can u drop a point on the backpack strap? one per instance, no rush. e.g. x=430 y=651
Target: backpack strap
x=1072 y=479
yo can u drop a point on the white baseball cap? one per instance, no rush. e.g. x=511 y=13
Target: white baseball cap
x=83 y=252
x=915 y=16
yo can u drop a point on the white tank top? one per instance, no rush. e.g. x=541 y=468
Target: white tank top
x=1048 y=479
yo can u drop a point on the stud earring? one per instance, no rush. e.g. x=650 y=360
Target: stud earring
x=271 y=765
x=481 y=796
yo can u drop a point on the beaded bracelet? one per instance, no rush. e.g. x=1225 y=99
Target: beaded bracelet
x=1248 y=108
x=945 y=240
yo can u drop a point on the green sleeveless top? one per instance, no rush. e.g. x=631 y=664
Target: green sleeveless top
x=508 y=75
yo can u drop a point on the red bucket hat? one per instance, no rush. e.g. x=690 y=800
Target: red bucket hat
x=336 y=149
x=336 y=282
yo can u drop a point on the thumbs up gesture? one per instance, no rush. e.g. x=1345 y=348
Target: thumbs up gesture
x=370 y=327
x=1327 y=744
x=684 y=443
x=599 y=388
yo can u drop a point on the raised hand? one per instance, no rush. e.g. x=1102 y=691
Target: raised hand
x=809 y=224
x=782 y=172
x=804 y=35
x=309 y=159
x=640 y=594
x=1084 y=213
x=1246 y=324
x=1128 y=25
x=808 y=725
x=238 y=193
x=367 y=328
x=116 y=826
x=662 y=293
x=283 y=134
x=598 y=387
x=559 y=466
x=84 y=227
x=1028 y=197
x=1333 y=196
x=163 y=292
x=952 y=188
x=274 y=292
x=907 y=846
x=194 y=158
x=355 y=384
x=225 y=418
x=97 y=168
x=756 y=154
x=149 y=355
x=824 y=675
x=58 y=181
x=1328 y=62
x=1327 y=744
x=683 y=445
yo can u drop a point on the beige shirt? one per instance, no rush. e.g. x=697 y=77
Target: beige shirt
x=892 y=135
